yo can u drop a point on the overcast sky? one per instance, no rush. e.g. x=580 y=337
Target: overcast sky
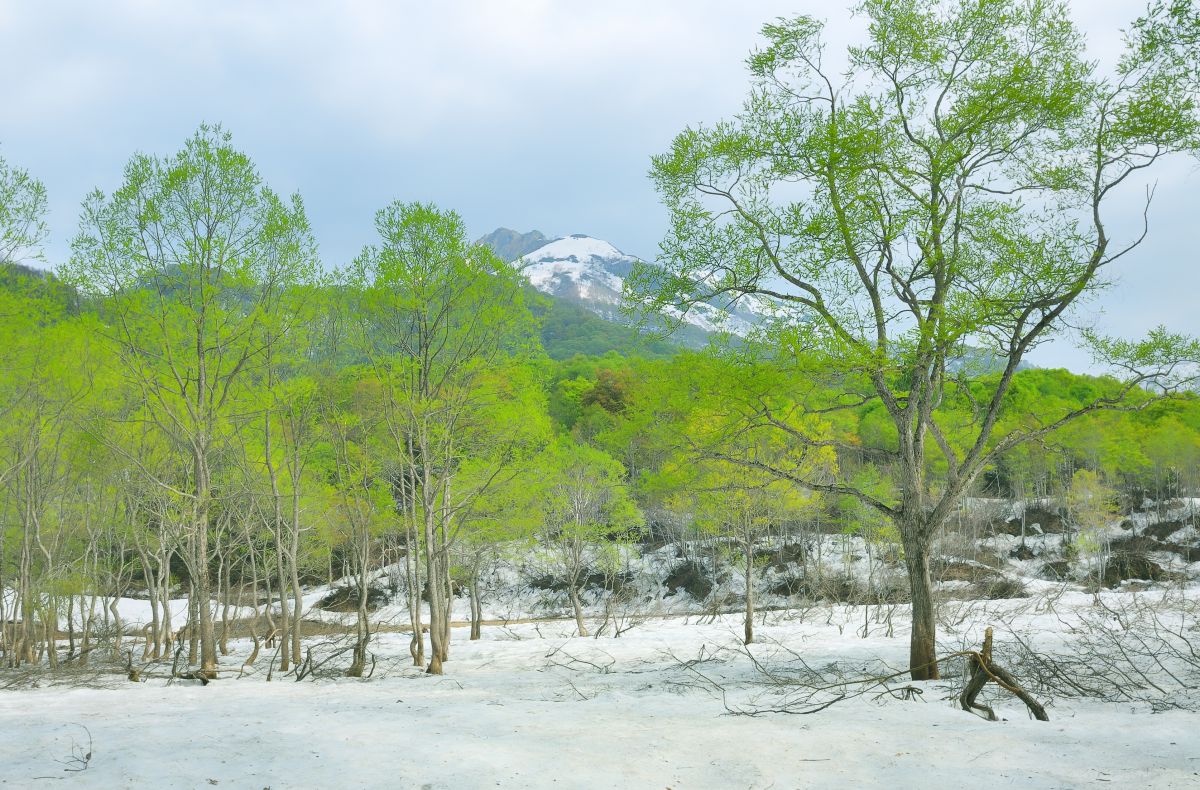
x=533 y=114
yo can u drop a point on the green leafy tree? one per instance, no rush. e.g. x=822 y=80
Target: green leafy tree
x=949 y=190
x=447 y=333
x=188 y=255
x=1092 y=507
x=585 y=503
x=43 y=456
x=23 y=226
x=737 y=502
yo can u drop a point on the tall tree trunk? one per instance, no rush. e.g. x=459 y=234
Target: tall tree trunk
x=923 y=644
x=435 y=575
x=192 y=625
x=435 y=590
x=285 y=617
x=297 y=596
x=151 y=650
x=164 y=575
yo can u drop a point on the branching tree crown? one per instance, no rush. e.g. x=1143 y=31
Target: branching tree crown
x=950 y=192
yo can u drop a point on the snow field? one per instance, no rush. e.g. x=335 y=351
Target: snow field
x=529 y=706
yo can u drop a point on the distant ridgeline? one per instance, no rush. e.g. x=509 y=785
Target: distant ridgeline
x=579 y=281
x=37 y=283
x=584 y=278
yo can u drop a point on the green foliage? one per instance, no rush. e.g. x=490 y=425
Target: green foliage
x=23 y=226
x=192 y=258
x=914 y=230
x=1092 y=506
x=585 y=494
x=569 y=330
x=944 y=198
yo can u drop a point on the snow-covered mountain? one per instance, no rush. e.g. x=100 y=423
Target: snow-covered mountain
x=592 y=272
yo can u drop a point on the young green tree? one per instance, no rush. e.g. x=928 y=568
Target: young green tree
x=287 y=397
x=584 y=503
x=712 y=468
x=739 y=503
x=188 y=255
x=42 y=455
x=363 y=503
x=23 y=226
x=1092 y=506
x=446 y=331
x=500 y=522
x=949 y=190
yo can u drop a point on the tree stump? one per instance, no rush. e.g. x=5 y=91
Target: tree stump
x=982 y=671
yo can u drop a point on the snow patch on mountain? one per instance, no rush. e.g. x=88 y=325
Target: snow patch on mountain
x=592 y=272
x=579 y=267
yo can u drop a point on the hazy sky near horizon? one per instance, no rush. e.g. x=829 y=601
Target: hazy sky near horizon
x=526 y=114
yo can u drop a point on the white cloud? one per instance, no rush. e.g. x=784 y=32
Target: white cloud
x=528 y=113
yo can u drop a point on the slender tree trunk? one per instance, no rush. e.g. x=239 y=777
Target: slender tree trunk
x=118 y=625
x=89 y=620
x=435 y=590
x=363 y=628
x=254 y=613
x=749 y=592
x=192 y=626
x=476 y=607
x=5 y=643
x=435 y=575
x=26 y=596
x=223 y=593
x=272 y=631
x=208 y=643
x=85 y=628
x=449 y=600
x=573 y=591
x=51 y=620
x=297 y=595
x=163 y=646
x=412 y=564
x=70 y=626
x=285 y=617
x=151 y=649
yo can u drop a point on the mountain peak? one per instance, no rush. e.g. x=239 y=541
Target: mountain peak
x=511 y=244
x=580 y=248
x=591 y=272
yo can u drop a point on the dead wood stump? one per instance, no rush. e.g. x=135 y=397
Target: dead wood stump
x=983 y=671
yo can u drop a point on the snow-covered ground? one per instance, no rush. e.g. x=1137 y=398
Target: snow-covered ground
x=530 y=706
